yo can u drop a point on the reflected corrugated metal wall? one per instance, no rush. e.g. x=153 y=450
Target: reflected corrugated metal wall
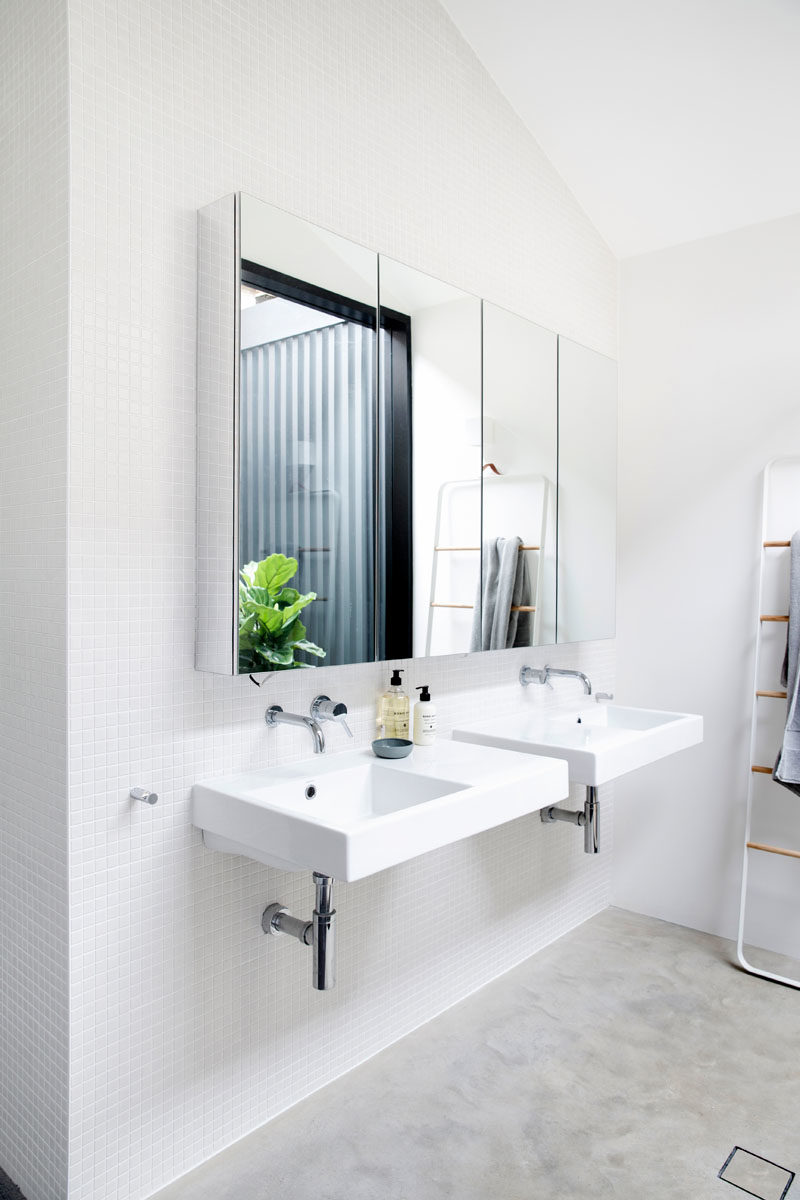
x=307 y=476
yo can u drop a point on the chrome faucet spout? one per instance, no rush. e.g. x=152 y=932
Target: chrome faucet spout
x=542 y=675
x=587 y=686
x=276 y=716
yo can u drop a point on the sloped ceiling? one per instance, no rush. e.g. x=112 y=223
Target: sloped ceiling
x=669 y=121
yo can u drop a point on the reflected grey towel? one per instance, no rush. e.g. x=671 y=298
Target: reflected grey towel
x=506 y=582
x=787 y=764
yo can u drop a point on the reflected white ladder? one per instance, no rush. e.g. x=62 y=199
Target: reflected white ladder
x=449 y=492
x=780 y=507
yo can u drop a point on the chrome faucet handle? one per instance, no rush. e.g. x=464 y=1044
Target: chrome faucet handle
x=325 y=709
x=534 y=675
x=598 y=696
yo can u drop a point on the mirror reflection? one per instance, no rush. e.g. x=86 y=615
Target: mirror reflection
x=306 y=415
x=309 y=544
x=387 y=471
x=519 y=482
x=444 y=372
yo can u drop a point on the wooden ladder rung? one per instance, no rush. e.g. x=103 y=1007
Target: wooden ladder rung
x=761 y=770
x=773 y=849
x=767 y=617
x=784 y=545
x=774 y=695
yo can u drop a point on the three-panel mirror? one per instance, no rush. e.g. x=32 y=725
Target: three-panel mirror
x=388 y=467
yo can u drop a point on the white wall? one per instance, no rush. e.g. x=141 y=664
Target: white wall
x=588 y=402
x=710 y=393
x=188 y=1028
x=33 y=596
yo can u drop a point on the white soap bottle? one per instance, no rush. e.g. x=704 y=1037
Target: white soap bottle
x=424 y=718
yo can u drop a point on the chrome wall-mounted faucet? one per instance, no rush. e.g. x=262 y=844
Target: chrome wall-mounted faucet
x=325 y=709
x=322 y=709
x=529 y=675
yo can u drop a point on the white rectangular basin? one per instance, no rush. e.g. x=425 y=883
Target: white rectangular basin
x=353 y=814
x=598 y=742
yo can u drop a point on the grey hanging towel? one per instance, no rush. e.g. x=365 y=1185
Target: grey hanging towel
x=506 y=583
x=787 y=764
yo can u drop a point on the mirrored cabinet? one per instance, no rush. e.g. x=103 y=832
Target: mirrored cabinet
x=520 y=430
x=443 y=373
x=388 y=466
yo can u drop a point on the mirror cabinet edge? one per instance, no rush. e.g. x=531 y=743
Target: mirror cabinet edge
x=216 y=436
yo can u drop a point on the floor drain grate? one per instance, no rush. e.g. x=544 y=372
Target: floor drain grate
x=756 y=1175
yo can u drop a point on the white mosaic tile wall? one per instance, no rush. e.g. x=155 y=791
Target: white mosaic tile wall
x=33 y=592
x=189 y=1028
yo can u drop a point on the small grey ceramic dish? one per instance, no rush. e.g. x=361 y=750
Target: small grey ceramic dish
x=392 y=747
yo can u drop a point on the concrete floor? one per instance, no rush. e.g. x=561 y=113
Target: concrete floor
x=626 y=1060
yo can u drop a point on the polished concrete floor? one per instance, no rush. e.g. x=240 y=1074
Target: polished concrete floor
x=626 y=1060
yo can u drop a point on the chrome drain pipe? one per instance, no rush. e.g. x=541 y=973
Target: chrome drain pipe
x=323 y=976
x=591 y=824
x=588 y=818
x=319 y=933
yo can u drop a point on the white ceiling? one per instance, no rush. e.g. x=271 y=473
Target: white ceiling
x=669 y=120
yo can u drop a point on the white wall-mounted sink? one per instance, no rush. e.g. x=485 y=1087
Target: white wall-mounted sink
x=353 y=814
x=598 y=742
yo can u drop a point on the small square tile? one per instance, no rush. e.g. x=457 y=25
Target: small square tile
x=756 y=1175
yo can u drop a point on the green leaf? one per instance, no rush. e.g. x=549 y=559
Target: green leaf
x=291 y=612
x=248 y=625
x=274 y=572
x=271 y=618
x=270 y=630
x=284 y=657
x=310 y=648
x=248 y=572
x=294 y=632
x=255 y=595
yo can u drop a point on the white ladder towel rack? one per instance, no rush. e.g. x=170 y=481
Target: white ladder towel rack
x=780 y=517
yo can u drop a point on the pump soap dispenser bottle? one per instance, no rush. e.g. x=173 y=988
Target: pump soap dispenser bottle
x=424 y=718
x=393 y=708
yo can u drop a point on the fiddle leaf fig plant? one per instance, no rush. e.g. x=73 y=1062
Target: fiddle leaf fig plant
x=270 y=630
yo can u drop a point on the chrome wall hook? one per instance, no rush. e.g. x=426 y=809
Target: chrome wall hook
x=145 y=795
